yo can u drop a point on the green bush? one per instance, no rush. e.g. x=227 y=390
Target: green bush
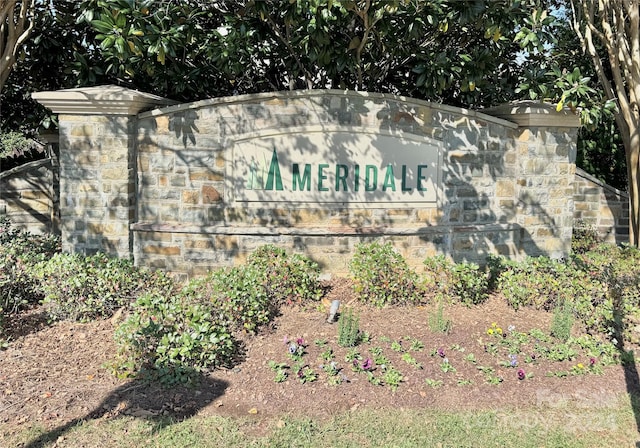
x=585 y=238
x=618 y=269
x=544 y=283
x=18 y=289
x=172 y=339
x=251 y=295
x=82 y=288
x=465 y=282
x=238 y=293
x=382 y=276
x=26 y=244
x=19 y=251
x=287 y=278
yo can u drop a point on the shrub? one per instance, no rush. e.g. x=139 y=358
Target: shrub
x=82 y=288
x=585 y=238
x=465 y=282
x=287 y=278
x=544 y=283
x=19 y=251
x=382 y=277
x=238 y=293
x=251 y=295
x=618 y=271
x=18 y=289
x=172 y=339
x=26 y=244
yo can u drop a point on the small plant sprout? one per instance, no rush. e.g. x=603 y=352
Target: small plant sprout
x=381 y=361
x=446 y=366
x=327 y=355
x=304 y=373
x=457 y=348
x=464 y=382
x=415 y=345
x=406 y=357
x=320 y=342
x=373 y=379
x=396 y=346
x=352 y=355
x=471 y=358
x=280 y=369
x=392 y=378
x=433 y=383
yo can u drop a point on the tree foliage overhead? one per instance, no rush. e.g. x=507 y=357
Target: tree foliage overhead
x=460 y=52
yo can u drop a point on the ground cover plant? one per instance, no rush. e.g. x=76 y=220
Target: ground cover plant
x=243 y=343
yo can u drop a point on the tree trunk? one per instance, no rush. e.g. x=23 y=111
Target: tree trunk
x=631 y=144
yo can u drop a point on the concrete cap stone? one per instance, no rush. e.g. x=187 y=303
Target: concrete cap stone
x=101 y=100
x=535 y=114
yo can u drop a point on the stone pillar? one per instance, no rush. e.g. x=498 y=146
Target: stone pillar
x=97 y=137
x=545 y=144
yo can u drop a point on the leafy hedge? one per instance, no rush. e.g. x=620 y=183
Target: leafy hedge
x=172 y=339
x=19 y=252
x=176 y=337
x=382 y=276
x=465 y=282
x=82 y=288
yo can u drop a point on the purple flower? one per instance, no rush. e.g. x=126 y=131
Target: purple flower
x=440 y=352
x=300 y=341
x=521 y=374
x=533 y=357
x=514 y=360
x=285 y=340
x=592 y=362
x=367 y=364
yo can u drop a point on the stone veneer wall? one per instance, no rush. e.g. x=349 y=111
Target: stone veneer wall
x=28 y=196
x=601 y=206
x=155 y=184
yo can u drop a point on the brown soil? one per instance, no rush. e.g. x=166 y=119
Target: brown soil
x=53 y=375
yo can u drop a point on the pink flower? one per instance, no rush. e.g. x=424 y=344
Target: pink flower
x=521 y=374
x=592 y=362
x=367 y=364
x=300 y=341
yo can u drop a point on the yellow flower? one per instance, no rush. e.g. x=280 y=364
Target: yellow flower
x=499 y=330
x=580 y=365
x=490 y=331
